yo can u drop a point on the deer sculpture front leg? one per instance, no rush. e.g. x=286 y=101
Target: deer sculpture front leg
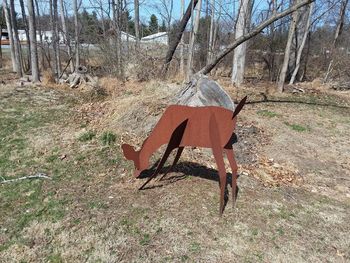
x=176 y=159
x=174 y=143
x=219 y=158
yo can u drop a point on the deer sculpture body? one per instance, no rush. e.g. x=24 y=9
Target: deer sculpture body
x=209 y=127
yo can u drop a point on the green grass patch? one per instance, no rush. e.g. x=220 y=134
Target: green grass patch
x=55 y=258
x=267 y=113
x=146 y=238
x=97 y=205
x=297 y=127
x=195 y=247
x=87 y=136
x=108 y=138
x=286 y=213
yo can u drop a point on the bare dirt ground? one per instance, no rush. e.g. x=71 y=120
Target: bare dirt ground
x=293 y=203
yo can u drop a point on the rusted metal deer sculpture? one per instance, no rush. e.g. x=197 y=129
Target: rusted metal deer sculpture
x=209 y=127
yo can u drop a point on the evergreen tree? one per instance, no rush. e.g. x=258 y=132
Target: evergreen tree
x=153 y=24
x=163 y=27
x=90 y=27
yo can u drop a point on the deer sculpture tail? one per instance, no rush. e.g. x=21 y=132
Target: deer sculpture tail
x=239 y=107
x=132 y=155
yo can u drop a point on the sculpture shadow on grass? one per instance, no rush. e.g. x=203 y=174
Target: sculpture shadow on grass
x=184 y=169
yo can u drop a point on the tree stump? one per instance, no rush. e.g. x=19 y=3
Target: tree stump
x=81 y=76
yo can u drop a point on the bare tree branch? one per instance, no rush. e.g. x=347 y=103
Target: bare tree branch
x=173 y=45
x=254 y=32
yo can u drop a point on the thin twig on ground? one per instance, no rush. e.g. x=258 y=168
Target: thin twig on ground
x=35 y=176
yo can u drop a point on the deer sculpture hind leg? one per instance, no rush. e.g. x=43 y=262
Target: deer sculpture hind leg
x=176 y=159
x=231 y=158
x=219 y=158
x=174 y=143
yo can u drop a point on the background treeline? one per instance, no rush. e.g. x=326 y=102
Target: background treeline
x=275 y=40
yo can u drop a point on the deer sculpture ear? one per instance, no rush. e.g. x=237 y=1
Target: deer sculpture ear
x=129 y=152
x=239 y=107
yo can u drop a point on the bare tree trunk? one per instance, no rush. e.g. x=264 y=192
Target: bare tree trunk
x=0 y=44
x=53 y=22
x=127 y=31
x=116 y=27
x=137 y=23
x=57 y=37
x=307 y=53
x=216 y=29
x=338 y=32
x=340 y=24
x=169 y=19
x=16 y=43
x=252 y=33
x=76 y=34
x=26 y=29
x=66 y=35
x=173 y=45
x=9 y=30
x=302 y=44
x=33 y=43
x=284 y=69
x=192 y=39
x=182 y=42
x=211 y=32
x=42 y=60
x=242 y=26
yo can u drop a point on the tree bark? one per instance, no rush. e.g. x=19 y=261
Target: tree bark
x=182 y=42
x=254 y=32
x=340 y=24
x=66 y=35
x=137 y=23
x=42 y=60
x=239 y=56
x=216 y=30
x=24 y=18
x=16 y=43
x=337 y=34
x=116 y=28
x=173 y=45
x=0 y=45
x=302 y=44
x=53 y=22
x=9 y=30
x=33 y=43
x=57 y=37
x=76 y=34
x=284 y=69
x=211 y=32
x=192 y=39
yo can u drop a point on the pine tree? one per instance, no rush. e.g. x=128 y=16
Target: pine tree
x=153 y=24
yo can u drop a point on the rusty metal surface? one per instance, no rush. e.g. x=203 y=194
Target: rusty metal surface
x=180 y=126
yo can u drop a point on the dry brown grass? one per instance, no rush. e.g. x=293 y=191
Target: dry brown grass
x=105 y=219
x=48 y=77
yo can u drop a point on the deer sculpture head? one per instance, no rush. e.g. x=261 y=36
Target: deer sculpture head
x=132 y=155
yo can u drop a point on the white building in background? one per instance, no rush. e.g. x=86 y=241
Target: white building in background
x=127 y=37
x=157 y=38
x=47 y=36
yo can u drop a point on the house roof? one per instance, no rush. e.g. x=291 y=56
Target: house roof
x=156 y=35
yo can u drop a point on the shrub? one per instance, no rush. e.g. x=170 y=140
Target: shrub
x=87 y=136
x=108 y=138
